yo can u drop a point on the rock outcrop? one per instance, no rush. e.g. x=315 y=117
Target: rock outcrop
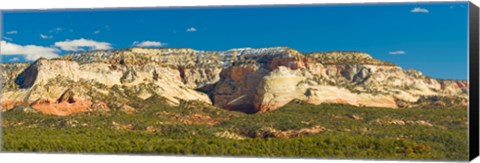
x=273 y=79
x=247 y=80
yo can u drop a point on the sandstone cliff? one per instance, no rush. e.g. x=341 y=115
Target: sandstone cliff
x=248 y=80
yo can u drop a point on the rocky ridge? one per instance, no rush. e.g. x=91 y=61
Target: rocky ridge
x=247 y=80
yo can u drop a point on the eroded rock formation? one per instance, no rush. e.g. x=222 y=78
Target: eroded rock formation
x=247 y=80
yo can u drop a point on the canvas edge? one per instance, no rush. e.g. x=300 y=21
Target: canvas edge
x=293 y=4
x=1 y=81
x=473 y=46
x=473 y=81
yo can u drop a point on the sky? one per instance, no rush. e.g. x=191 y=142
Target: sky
x=429 y=37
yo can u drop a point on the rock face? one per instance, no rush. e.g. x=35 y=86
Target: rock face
x=247 y=80
x=273 y=79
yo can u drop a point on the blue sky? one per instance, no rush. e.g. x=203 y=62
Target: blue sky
x=429 y=37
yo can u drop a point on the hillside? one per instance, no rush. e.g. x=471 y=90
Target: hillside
x=192 y=102
x=295 y=130
x=247 y=80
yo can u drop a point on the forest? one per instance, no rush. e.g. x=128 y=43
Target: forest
x=295 y=130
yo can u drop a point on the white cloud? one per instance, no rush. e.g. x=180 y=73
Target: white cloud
x=191 y=29
x=398 y=52
x=7 y=38
x=457 y=6
x=420 y=10
x=14 y=59
x=96 y=32
x=81 y=44
x=149 y=44
x=30 y=52
x=46 y=36
x=55 y=30
x=11 y=32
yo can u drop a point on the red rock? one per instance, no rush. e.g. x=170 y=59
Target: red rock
x=237 y=72
x=62 y=108
x=10 y=104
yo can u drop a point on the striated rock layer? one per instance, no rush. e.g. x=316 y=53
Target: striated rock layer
x=247 y=80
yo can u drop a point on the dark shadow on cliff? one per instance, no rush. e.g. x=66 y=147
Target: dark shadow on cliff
x=28 y=76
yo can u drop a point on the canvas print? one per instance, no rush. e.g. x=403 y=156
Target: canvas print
x=351 y=81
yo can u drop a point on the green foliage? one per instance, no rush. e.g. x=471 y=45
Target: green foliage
x=352 y=132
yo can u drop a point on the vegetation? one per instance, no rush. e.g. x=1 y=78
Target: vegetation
x=190 y=129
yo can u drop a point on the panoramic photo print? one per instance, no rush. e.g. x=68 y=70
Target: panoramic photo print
x=352 y=81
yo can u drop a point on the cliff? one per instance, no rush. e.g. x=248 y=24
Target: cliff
x=247 y=80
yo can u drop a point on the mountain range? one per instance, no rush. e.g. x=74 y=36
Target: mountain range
x=250 y=80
